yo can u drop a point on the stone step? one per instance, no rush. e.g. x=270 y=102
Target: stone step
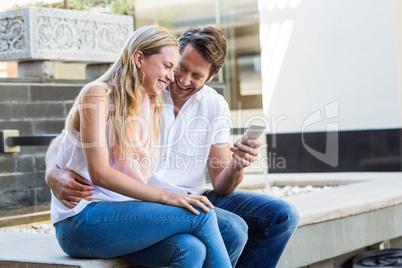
x=31 y=110
x=34 y=126
x=26 y=215
x=38 y=92
x=25 y=218
x=42 y=250
x=21 y=163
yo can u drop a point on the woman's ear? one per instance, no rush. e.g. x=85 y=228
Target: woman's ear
x=138 y=57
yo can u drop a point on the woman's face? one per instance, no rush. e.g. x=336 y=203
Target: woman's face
x=159 y=70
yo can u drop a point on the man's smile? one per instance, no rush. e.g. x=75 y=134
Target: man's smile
x=180 y=86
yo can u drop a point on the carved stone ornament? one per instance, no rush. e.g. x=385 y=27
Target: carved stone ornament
x=33 y=33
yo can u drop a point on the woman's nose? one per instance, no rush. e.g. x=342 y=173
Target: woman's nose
x=170 y=76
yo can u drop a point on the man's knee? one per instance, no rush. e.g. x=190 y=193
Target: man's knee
x=283 y=213
x=295 y=216
x=291 y=214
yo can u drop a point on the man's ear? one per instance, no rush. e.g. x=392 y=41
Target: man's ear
x=210 y=79
x=138 y=57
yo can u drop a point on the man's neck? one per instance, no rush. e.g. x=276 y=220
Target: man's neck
x=177 y=103
x=177 y=106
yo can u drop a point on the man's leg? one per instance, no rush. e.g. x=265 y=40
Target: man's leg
x=271 y=222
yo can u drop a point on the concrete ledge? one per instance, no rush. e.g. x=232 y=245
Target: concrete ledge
x=349 y=200
x=345 y=219
x=329 y=239
x=257 y=180
x=42 y=250
x=366 y=210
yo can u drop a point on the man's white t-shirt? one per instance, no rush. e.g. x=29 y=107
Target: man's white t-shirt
x=185 y=140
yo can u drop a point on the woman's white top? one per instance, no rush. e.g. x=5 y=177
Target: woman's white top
x=70 y=156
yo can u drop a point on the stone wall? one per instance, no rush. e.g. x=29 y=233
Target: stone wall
x=33 y=107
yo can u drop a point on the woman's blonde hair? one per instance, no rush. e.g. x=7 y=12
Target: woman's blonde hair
x=125 y=88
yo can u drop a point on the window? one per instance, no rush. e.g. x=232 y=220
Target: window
x=240 y=22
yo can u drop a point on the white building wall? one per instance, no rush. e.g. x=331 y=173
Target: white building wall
x=331 y=62
x=398 y=33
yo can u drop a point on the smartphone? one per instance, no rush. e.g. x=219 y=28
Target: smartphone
x=254 y=131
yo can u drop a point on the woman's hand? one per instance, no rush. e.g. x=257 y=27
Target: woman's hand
x=187 y=201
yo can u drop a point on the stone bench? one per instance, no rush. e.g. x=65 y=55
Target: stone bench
x=338 y=223
x=42 y=250
x=366 y=211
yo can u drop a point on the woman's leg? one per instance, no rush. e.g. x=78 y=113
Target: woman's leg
x=182 y=250
x=233 y=230
x=111 y=229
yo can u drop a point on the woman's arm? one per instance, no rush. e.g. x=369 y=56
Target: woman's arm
x=93 y=136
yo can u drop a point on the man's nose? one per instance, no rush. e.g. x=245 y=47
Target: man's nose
x=185 y=80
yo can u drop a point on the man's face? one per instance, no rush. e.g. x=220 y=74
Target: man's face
x=190 y=76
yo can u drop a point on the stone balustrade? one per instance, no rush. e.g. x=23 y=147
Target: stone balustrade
x=33 y=33
x=39 y=37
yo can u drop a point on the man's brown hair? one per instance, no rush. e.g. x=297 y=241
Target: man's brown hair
x=209 y=41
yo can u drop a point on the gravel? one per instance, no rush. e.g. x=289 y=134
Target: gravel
x=32 y=228
x=293 y=190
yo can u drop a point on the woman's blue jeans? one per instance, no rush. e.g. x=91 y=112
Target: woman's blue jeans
x=140 y=230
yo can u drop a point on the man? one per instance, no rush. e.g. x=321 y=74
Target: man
x=194 y=130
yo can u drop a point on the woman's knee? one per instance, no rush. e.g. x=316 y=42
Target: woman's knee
x=207 y=217
x=189 y=251
x=240 y=231
x=234 y=231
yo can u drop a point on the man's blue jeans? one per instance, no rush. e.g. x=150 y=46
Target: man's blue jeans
x=139 y=230
x=271 y=222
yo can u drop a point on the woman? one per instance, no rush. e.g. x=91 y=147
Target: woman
x=108 y=141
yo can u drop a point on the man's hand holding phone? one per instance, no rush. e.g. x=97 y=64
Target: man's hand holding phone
x=245 y=150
